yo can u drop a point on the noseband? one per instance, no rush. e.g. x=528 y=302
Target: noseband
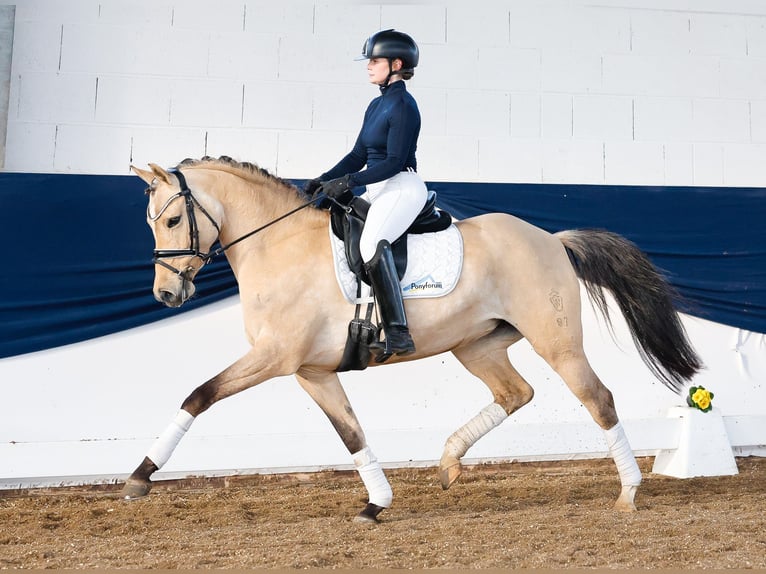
x=194 y=249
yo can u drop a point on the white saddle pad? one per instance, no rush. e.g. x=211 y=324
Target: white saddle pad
x=434 y=263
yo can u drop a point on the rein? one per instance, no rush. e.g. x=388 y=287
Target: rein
x=194 y=249
x=223 y=248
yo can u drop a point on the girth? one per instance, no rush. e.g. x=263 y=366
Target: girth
x=347 y=225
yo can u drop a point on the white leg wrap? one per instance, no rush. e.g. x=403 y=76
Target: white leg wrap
x=378 y=488
x=466 y=436
x=166 y=443
x=630 y=474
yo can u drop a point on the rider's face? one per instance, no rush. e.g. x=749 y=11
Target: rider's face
x=377 y=69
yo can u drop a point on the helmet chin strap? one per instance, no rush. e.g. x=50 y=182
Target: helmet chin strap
x=391 y=73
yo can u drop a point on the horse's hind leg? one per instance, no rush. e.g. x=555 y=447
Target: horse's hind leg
x=559 y=342
x=487 y=359
x=325 y=388
x=577 y=373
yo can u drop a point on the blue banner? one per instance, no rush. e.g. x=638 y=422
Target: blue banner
x=77 y=259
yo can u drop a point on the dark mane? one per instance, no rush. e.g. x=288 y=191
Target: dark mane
x=241 y=166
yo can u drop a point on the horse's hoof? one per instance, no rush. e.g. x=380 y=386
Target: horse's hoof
x=625 y=502
x=134 y=489
x=449 y=472
x=369 y=515
x=363 y=519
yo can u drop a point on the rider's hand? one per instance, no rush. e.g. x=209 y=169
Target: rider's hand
x=335 y=188
x=311 y=186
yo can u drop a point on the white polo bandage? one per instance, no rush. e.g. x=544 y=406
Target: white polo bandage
x=466 y=436
x=378 y=489
x=627 y=467
x=166 y=443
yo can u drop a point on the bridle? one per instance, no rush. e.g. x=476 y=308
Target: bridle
x=194 y=248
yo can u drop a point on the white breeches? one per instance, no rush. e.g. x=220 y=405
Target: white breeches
x=394 y=205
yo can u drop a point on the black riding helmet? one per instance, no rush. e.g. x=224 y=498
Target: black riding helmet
x=391 y=44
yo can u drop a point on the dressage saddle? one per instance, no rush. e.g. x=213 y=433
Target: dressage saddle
x=347 y=219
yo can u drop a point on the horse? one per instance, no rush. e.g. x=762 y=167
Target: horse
x=517 y=281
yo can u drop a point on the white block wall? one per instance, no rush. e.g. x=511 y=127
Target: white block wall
x=652 y=92
x=660 y=92
x=7 y=18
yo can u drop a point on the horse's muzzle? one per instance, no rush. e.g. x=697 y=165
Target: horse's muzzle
x=174 y=290
x=175 y=295
x=169 y=298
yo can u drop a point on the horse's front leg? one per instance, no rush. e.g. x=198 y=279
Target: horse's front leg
x=247 y=372
x=325 y=388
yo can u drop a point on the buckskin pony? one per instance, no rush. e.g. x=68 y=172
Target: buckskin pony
x=517 y=281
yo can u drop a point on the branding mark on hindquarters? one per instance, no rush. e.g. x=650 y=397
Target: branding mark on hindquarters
x=556 y=300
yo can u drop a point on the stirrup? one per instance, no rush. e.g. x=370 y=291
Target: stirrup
x=402 y=344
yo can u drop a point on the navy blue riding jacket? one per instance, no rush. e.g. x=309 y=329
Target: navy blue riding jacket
x=387 y=141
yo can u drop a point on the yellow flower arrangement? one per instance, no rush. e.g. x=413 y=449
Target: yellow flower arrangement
x=700 y=398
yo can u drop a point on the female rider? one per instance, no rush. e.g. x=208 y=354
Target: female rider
x=386 y=146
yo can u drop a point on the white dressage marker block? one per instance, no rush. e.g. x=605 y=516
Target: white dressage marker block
x=703 y=446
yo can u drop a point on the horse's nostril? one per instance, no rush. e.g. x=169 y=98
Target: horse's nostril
x=167 y=296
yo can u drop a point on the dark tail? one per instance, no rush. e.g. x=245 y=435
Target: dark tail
x=602 y=260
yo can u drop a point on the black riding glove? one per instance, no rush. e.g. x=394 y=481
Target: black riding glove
x=311 y=186
x=335 y=188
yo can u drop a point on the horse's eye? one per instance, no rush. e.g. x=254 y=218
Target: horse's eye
x=173 y=221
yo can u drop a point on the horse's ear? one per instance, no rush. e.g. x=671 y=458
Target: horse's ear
x=147 y=176
x=157 y=173
x=160 y=173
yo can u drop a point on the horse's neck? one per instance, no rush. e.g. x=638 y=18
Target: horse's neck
x=252 y=207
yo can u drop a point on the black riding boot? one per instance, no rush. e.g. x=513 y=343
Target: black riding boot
x=381 y=271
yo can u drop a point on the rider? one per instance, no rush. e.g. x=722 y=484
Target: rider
x=386 y=145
